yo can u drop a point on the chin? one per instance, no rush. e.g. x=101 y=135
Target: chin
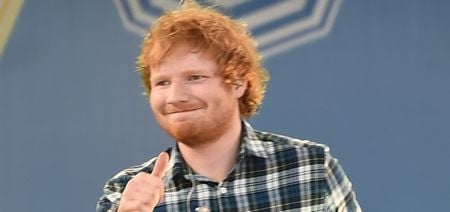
x=181 y=130
x=190 y=135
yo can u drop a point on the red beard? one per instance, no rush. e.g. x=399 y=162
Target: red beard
x=195 y=130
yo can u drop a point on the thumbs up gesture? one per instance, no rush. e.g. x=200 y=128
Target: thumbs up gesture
x=145 y=191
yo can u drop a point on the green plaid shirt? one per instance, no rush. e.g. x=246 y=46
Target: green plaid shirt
x=273 y=173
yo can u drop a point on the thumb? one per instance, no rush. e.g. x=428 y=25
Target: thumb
x=161 y=165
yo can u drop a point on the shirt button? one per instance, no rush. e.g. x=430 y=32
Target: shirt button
x=202 y=209
x=223 y=190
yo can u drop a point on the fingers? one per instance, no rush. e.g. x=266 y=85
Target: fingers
x=142 y=193
x=145 y=191
x=161 y=165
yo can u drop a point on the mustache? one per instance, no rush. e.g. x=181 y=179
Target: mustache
x=184 y=107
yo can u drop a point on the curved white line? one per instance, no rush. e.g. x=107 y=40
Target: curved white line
x=274 y=12
x=292 y=28
x=254 y=20
x=165 y=4
x=126 y=22
x=139 y=14
x=322 y=32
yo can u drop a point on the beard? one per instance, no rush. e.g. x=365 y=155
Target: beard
x=202 y=129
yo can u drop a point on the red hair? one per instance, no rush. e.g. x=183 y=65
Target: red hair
x=204 y=28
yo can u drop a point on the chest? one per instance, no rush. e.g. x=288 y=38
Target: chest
x=255 y=187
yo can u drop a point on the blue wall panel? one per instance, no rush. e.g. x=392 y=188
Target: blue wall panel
x=375 y=89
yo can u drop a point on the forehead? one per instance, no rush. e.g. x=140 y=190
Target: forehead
x=185 y=57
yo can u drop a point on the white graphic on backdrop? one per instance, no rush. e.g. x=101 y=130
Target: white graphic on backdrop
x=276 y=25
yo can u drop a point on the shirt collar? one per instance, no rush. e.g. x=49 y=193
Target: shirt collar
x=251 y=145
x=177 y=165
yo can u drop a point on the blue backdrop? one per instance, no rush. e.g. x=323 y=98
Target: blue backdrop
x=375 y=88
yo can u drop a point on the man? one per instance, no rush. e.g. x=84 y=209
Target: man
x=204 y=79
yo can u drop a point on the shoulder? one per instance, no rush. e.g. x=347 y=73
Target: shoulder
x=314 y=163
x=276 y=143
x=280 y=147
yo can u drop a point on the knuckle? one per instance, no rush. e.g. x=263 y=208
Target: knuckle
x=141 y=175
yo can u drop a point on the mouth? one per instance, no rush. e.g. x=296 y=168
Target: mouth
x=181 y=111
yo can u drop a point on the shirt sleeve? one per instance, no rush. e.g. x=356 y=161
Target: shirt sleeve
x=340 y=195
x=112 y=193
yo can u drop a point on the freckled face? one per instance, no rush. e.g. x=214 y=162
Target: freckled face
x=189 y=98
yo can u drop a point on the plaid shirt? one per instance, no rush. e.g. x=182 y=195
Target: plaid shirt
x=273 y=173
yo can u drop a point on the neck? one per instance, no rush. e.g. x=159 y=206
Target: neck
x=216 y=158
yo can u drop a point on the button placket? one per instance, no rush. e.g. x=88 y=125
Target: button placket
x=221 y=189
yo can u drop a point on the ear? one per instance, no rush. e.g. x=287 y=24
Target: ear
x=239 y=88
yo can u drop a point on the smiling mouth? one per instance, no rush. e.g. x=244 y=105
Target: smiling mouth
x=181 y=111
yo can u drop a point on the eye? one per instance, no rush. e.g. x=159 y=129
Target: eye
x=196 y=77
x=162 y=83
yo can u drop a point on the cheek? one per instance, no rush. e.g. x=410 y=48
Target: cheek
x=223 y=101
x=156 y=102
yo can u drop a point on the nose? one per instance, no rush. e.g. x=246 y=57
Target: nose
x=178 y=92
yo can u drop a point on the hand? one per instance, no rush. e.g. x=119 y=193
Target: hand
x=145 y=191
